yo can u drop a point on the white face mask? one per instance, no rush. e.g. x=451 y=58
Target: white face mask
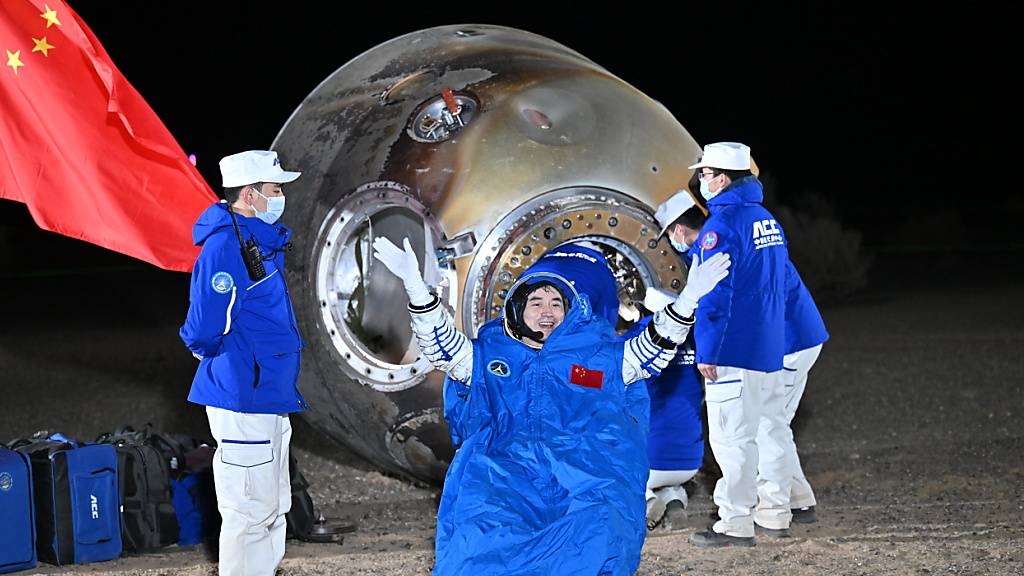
x=681 y=247
x=705 y=190
x=275 y=208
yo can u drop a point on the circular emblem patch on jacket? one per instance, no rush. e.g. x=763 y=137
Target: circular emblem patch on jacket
x=710 y=241
x=498 y=368
x=222 y=282
x=6 y=481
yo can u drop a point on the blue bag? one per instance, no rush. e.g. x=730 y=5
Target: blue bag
x=195 y=504
x=17 y=515
x=78 y=516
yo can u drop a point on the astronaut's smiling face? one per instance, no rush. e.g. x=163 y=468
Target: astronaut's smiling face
x=544 y=310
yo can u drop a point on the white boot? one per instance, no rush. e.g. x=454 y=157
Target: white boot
x=674 y=493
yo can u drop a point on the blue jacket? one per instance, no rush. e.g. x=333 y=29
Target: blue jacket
x=676 y=437
x=551 y=467
x=740 y=323
x=804 y=326
x=245 y=331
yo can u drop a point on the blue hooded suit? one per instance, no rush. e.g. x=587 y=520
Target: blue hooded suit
x=551 y=465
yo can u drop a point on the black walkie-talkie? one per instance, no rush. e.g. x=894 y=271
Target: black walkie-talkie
x=251 y=254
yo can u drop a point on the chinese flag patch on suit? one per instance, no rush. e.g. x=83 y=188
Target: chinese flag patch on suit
x=587 y=378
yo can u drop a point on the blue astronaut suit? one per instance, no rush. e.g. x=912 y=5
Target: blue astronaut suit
x=551 y=467
x=668 y=406
x=588 y=272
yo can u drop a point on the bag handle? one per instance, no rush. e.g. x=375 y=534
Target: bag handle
x=58 y=437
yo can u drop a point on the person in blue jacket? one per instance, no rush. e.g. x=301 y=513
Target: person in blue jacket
x=241 y=327
x=740 y=337
x=804 y=335
x=550 y=466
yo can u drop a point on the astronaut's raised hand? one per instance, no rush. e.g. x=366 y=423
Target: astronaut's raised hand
x=446 y=348
x=702 y=279
x=402 y=262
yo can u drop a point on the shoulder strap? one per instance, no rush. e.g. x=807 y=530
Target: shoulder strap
x=173 y=450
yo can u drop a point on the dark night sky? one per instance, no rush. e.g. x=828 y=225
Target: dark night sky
x=879 y=113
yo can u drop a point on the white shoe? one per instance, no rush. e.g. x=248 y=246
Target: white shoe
x=674 y=493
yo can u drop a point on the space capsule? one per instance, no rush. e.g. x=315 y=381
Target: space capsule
x=486 y=146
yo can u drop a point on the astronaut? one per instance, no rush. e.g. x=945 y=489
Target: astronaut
x=551 y=463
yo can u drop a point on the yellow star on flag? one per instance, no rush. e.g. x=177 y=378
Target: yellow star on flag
x=50 y=16
x=42 y=46
x=14 y=60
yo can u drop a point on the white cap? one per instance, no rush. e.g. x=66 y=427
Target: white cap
x=253 y=166
x=657 y=299
x=673 y=208
x=725 y=156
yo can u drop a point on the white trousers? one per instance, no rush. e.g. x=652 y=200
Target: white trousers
x=748 y=430
x=793 y=378
x=667 y=485
x=250 y=470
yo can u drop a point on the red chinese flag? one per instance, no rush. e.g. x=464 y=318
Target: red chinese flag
x=585 y=377
x=81 y=147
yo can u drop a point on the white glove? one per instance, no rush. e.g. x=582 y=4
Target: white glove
x=702 y=279
x=403 y=263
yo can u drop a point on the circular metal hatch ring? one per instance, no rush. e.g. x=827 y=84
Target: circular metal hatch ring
x=555 y=218
x=362 y=304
